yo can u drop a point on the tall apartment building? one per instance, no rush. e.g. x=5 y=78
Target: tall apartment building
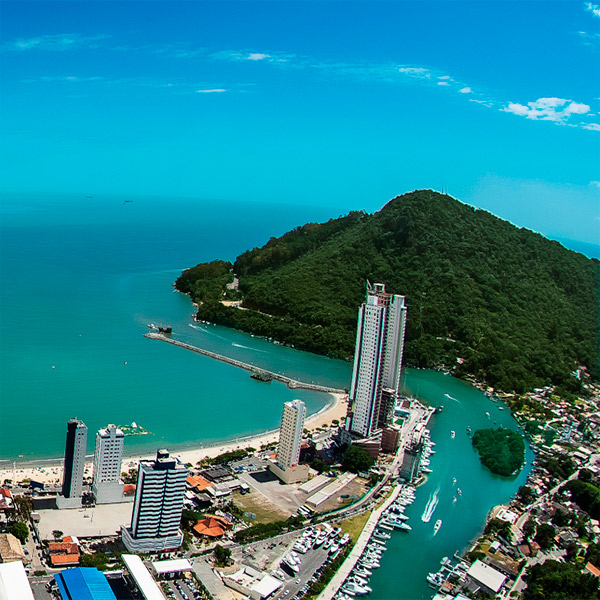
x=377 y=361
x=157 y=506
x=290 y=433
x=286 y=465
x=107 y=485
x=74 y=465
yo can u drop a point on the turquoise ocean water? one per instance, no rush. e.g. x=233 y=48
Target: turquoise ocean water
x=81 y=278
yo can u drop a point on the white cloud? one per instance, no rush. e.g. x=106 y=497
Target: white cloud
x=278 y=57
x=419 y=72
x=547 y=109
x=592 y=126
x=593 y=8
x=595 y=183
x=56 y=42
x=443 y=83
x=65 y=78
x=211 y=91
x=465 y=90
x=257 y=56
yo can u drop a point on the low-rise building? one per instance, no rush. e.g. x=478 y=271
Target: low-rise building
x=486 y=577
x=63 y=554
x=83 y=583
x=13 y=582
x=11 y=549
x=252 y=583
x=212 y=526
x=139 y=576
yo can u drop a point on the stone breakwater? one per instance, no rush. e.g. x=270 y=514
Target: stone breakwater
x=291 y=383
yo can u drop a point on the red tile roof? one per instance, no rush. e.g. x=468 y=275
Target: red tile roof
x=212 y=526
x=592 y=569
x=199 y=483
x=64 y=559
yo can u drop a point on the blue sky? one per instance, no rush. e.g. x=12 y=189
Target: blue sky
x=340 y=104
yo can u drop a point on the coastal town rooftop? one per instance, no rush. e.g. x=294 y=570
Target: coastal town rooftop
x=142 y=577
x=486 y=575
x=177 y=565
x=13 y=582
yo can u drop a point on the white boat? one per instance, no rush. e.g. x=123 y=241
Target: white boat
x=354 y=589
x=363 y=571
x=437 y=526
x=405 y=527
x=452 y=434
x=400 y=516
x=362 y=582
x=382 y=535
x=435 y=579
x=426 y=470
x=369 y=564
x=287 y=562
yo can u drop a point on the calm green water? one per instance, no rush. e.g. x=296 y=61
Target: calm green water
x=412 y=555
x=80 y=281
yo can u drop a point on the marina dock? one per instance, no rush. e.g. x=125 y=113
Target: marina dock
x=291 y=383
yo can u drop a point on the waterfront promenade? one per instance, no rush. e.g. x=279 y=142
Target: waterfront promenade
x=291 y=383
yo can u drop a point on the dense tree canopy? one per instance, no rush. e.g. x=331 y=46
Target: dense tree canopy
x=500 y=450
x=356 y=459
x=519 y=310
x=19 y=530
x=553 y=580
x=586 y=495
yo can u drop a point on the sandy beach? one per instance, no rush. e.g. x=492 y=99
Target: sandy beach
x=52 y=473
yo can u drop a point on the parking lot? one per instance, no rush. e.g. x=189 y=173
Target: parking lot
x=183 y=589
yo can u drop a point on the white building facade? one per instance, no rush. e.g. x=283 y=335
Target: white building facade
x=74 y=465
x=290 y=434
x=158 y=505
x=107 y=485
x=377 y=361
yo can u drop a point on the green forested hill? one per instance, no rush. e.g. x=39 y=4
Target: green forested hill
x=520 y=310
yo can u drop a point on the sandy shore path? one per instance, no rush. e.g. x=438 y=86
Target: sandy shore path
x=51 y=472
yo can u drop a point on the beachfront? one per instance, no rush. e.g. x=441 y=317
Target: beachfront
x=52 y=473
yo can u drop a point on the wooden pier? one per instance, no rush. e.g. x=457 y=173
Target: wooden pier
x=291 y=383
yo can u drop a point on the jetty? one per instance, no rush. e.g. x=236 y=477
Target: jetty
x=293 y=384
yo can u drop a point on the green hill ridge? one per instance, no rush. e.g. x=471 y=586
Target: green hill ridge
x=485 y=298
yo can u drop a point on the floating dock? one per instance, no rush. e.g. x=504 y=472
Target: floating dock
x=291 y=383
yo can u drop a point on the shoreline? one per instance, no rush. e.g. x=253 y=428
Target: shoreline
x=49 y=470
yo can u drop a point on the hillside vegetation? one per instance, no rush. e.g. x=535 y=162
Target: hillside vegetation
x=518 y=309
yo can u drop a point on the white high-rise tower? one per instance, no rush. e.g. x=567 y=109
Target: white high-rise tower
x=158 y=505
x=107 y=485
x=290 y=433
x=377 y=360
x=74 y=465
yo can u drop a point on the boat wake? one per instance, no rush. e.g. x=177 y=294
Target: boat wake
x=430 y=507
x=207 y=330
x=451 y=397
x=246 y=347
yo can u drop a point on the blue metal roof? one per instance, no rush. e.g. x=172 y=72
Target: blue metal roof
x=83 y=583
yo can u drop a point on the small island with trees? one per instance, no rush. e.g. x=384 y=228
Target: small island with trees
x=501 y=450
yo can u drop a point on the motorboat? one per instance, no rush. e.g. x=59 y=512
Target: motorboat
x=354 y=588
x=435 y=579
